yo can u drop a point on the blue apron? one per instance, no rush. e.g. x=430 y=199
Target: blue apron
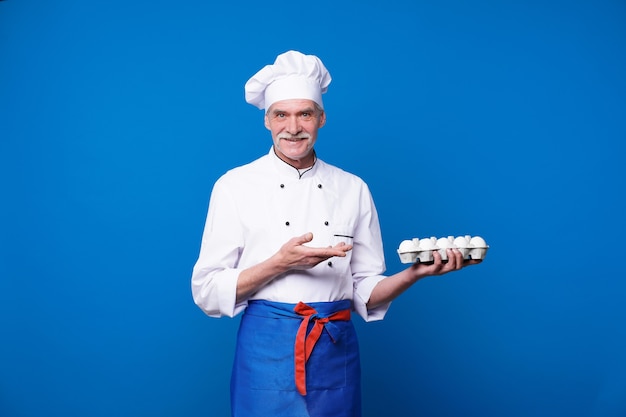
x=263 y=378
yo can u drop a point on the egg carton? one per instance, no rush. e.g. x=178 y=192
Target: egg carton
x=421 y=250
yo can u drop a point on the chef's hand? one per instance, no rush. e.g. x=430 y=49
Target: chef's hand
x=295 y=255
x=292 y=255
x=391 y=287
x=439 y=267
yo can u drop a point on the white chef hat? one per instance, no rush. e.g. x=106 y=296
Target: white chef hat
x=292 y=76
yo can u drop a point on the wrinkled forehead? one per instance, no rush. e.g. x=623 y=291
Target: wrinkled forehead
x=294 y=106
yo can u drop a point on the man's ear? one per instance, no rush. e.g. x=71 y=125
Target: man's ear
x=266 y=120
x=322 y=118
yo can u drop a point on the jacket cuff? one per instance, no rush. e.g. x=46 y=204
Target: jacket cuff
x=362 y=295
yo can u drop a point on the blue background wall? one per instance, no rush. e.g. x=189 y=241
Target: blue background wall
x=500 y=119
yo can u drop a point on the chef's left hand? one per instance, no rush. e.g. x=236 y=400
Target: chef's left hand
x=439 y=267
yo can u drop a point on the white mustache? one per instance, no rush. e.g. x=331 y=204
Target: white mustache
x=299 y=136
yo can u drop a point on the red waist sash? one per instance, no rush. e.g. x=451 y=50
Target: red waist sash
x=305 y=343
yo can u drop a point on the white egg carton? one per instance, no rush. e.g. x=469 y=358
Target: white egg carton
x=421 y=250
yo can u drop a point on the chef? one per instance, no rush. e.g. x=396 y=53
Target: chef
x=295 y=244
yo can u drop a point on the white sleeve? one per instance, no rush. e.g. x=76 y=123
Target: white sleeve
x=215 y=274
x=368 y=259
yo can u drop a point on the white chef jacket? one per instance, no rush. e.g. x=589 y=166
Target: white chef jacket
x=256 y=208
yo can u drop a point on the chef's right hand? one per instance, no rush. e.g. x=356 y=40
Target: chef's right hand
x=295 y=255
x=292 y=255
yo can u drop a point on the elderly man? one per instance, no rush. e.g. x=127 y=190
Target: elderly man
x=295 y=244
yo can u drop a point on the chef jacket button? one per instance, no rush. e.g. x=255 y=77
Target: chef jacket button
x=326 y=223
x=319 y=185
x=282 y=185
x=330 y=263
x=286 y=223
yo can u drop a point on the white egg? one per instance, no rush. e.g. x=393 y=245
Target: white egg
x=428 y=244
x=461 y=242
x=407 y=246
x=478 y=242
x=445 y=242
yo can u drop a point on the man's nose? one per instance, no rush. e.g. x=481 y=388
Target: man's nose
x=293 y=125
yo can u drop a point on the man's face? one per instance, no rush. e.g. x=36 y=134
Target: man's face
x=294 y=124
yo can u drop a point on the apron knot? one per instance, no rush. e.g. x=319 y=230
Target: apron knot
x=305 y=343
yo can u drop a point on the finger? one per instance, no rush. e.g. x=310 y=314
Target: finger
x=457 y=260
x=305 y=238
x=437 y=263
x=343 y=246
x=337 y=252
x=339 y=249
x=451 y=264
